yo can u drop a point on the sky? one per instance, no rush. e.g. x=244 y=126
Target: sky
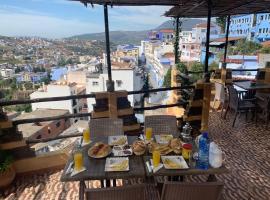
x=63 y=18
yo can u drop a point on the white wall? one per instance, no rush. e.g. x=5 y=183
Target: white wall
x=54 y=91
x=129 y=81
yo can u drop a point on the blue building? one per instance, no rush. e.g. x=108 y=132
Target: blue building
x=255 y=27
x=58 y=72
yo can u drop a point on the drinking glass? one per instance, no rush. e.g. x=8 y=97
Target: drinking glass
x=86 y=136
x=78 y=160
x=148 y=133
x=156 y=158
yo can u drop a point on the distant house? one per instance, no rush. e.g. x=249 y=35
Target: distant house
x=42 y=130
x=31 y=77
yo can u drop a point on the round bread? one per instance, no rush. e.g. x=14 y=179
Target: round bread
x=138 y=147
x=176 y=144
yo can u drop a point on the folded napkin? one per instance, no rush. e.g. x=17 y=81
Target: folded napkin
x=74 y=172
x=85 y=143
x=155 y=169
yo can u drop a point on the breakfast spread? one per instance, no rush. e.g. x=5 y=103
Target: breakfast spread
x=99 y=150
x=138 y=147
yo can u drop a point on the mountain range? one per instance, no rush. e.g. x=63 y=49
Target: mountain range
x=135 y=37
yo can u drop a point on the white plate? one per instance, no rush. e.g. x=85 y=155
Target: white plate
x=164 y=138
x=114 y=140
x=178 y=160
x=113 y=164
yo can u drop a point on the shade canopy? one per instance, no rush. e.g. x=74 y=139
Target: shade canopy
x=196 y=8
x=134 y=2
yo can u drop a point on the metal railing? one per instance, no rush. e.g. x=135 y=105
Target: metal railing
x=71 y=97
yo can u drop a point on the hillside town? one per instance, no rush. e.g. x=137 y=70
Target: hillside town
x=34 y=67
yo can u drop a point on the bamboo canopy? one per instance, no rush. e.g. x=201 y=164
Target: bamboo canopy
x=196 y=9
x=134 y=2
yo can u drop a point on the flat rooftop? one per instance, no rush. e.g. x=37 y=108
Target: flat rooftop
x=31 y=128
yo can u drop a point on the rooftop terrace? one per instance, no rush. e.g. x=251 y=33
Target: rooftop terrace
x=247 y=157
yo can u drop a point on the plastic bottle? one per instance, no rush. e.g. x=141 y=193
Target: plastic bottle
x=203 y=157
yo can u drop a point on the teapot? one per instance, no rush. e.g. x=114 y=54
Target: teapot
x=216 y=157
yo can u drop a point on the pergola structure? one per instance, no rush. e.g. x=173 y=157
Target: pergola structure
x=186 y=8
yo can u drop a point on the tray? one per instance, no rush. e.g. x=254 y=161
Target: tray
x=116 y=164
x=117 y=140
x=174 y=162
x=163 y=139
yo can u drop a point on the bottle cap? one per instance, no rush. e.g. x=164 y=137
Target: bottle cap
x=187 y=146
x=205 y=134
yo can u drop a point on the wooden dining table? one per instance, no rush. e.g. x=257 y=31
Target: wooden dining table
x=95 y=168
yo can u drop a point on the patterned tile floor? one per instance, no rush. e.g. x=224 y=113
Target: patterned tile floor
x=247 y=150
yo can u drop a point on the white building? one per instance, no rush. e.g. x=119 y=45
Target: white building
x=7 y=72
x=59 y=89
x=192 y=41
x=125 y=77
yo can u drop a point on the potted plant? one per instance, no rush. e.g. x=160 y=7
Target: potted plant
x=7 y=172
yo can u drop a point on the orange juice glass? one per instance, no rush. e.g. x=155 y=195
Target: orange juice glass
x=78 y=161
x=86 y=136
x=156 y=158
x=148 y=133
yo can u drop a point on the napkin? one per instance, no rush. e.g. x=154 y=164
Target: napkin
x=85 y=143
x=155 y=169
x=74 y=172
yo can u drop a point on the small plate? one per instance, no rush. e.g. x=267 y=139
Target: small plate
x=163 y=139
x=117 y=140
x=116 y=164
x=125 y=150
x=174 y=162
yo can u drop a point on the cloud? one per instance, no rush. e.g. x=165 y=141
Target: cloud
x=21 y=21
x=139 y=17
x=44 y=26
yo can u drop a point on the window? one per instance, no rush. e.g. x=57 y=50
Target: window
x=94 y=83
x=49 y=130
x=260 y=30
x=119 y=83
x=266 y=30
x=74 y=102
x=192 y=47
x=75 y=111
x=58 y=124
x=261 y=17
x=263 y=30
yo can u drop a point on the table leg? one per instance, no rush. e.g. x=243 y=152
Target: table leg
x=114 y=183
x=102 y=183
x=108 y=183
x=81 y=191
x=211 y=178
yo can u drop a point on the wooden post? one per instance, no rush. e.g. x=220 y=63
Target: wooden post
x=206 y=106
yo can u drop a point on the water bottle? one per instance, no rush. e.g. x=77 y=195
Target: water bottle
x=203 y=159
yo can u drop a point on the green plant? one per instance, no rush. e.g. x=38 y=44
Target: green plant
x=265 y=50
x=167 y=78
x=197 y=67
x=213 y=66
x=5 y=161
x=221 y=21
x=181 y=67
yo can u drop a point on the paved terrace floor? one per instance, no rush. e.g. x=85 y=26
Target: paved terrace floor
x=247 y=150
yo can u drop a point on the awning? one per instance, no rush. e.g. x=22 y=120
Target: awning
x=195 y=8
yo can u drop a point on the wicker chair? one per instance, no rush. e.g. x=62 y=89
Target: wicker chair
x=263 y=107
x=239 y=104
x=106 y=127
x=161 y=124
x=191 y=191
x=131 y=192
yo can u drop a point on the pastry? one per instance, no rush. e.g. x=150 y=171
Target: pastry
x=138 y=147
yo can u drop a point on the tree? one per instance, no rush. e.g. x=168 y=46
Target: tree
x=213 y=65
x=167 y=78
x=265 y=50
x=221 y=21
x=196 y=67
x=181 y=67
x=245 y=47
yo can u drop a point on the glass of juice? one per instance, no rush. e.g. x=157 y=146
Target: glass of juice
x=156 y=158
x=78 y=160
x=148 y=133
x=86 y=135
